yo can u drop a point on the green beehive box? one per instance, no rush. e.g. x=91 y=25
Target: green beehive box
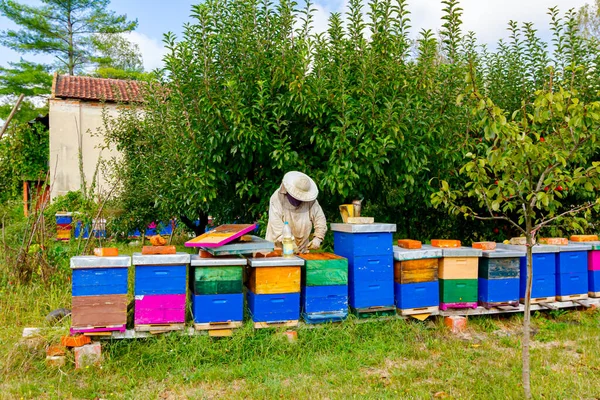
x=217 y=276
x=458 y=290
x=324 y=269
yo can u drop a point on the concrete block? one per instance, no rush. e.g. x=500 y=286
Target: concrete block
x=456 y=324
x=88 y=355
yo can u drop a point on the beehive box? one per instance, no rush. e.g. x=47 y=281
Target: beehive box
x=499 y=277
x=572 y=271
x=160 y=289
x=99 y=289
x=324 y=269
x=217 y=275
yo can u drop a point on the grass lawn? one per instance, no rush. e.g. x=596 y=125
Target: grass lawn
x=376 y=359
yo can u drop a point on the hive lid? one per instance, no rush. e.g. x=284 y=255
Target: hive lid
x=100 y=262
x=426 y=251
x=363 y=228
x=461 y=252
x=197 y=261
x=594 y=245
x=503 y=253
x=161 y=259
x=536 y=249
x=276 y=262
x=575 y=246
x=254 y=245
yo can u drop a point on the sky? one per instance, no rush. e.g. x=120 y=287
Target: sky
x=487 y=18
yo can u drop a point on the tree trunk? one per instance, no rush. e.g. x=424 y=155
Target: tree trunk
x=198 y=230
x=527 y=314
x=11 y=115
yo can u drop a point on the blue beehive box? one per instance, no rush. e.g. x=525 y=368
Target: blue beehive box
x=571 y=271
x=544 y=271
x=368 y=248
x=417 y=295
x=320 y=299
x=503 y=291
x=211 y=308
x=274 y=307
x=93 y=276
x=594 y=283
x=160 y=274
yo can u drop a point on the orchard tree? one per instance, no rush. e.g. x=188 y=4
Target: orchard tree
x=525 y=164
x=30 y=79
x=62 y=29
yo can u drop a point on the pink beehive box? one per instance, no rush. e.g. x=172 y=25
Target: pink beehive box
x=159 y=309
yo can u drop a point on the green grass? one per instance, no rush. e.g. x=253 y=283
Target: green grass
x=375 y=359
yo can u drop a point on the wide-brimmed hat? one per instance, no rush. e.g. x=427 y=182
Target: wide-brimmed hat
x=300 y=186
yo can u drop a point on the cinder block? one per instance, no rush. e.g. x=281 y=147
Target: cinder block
x=456 y=324
x=88 y=355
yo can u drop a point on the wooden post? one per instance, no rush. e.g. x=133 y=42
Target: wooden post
x=25 y=199
x=11 y=115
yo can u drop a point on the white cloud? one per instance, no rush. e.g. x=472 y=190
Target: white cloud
x=487 y=18
x=152 y=50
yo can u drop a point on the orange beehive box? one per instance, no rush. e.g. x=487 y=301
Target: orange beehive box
x=484 y=245
x=584 y=238
x=409 y=244
x=159 y=250
x=554 y=241
x=445 y=243
x=106 y=252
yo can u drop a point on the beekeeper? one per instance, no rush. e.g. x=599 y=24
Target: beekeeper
x=296 y=202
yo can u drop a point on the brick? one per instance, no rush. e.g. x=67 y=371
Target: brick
x=292 y=336
x=484 y=245
x=584 y=238
x=75 y=341
x=409 y=244
x=522 y=241
x=55 y=350
x=456 y=324
x=56 y=361
x=445 y=243
x=106 y=252
x=554 y=241
x=159 y=250
x=88 y=355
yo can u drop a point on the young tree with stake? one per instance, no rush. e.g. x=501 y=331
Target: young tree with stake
x=527 y=161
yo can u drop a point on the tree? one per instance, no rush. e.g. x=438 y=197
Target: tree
x=589 y=19
x=63 y=29
x=32 y=80
x=117 y=58
x=528 y=161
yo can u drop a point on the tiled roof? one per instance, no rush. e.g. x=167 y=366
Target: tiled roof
x=99 y=89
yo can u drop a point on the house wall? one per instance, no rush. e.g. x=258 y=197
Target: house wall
x=70 y=119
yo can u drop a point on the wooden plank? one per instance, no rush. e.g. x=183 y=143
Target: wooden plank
x=420 y=310
x=221 y=235
x=158 y=328
x=416 y=271
x=104 y=310
x=572 y=297
x=536 y=300
x=220 y=333
x=594 y=294
x=274 y=280
x=277 y=324
x=218 y=325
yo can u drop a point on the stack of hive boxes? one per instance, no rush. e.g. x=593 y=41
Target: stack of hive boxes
x=416 y=286
x=63 y=225
x=324 y=296
x=499 y=278
x=274 y=291
x=99 y=289
x=216 y=286
x=572 y=271
x=368 y=248
x=160 y=291
x=458 y=274
x=543 y=287
x=594 y=270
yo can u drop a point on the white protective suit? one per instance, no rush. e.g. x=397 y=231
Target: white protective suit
x=301 y=220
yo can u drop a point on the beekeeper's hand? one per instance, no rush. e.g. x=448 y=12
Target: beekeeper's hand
x=315 y=244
